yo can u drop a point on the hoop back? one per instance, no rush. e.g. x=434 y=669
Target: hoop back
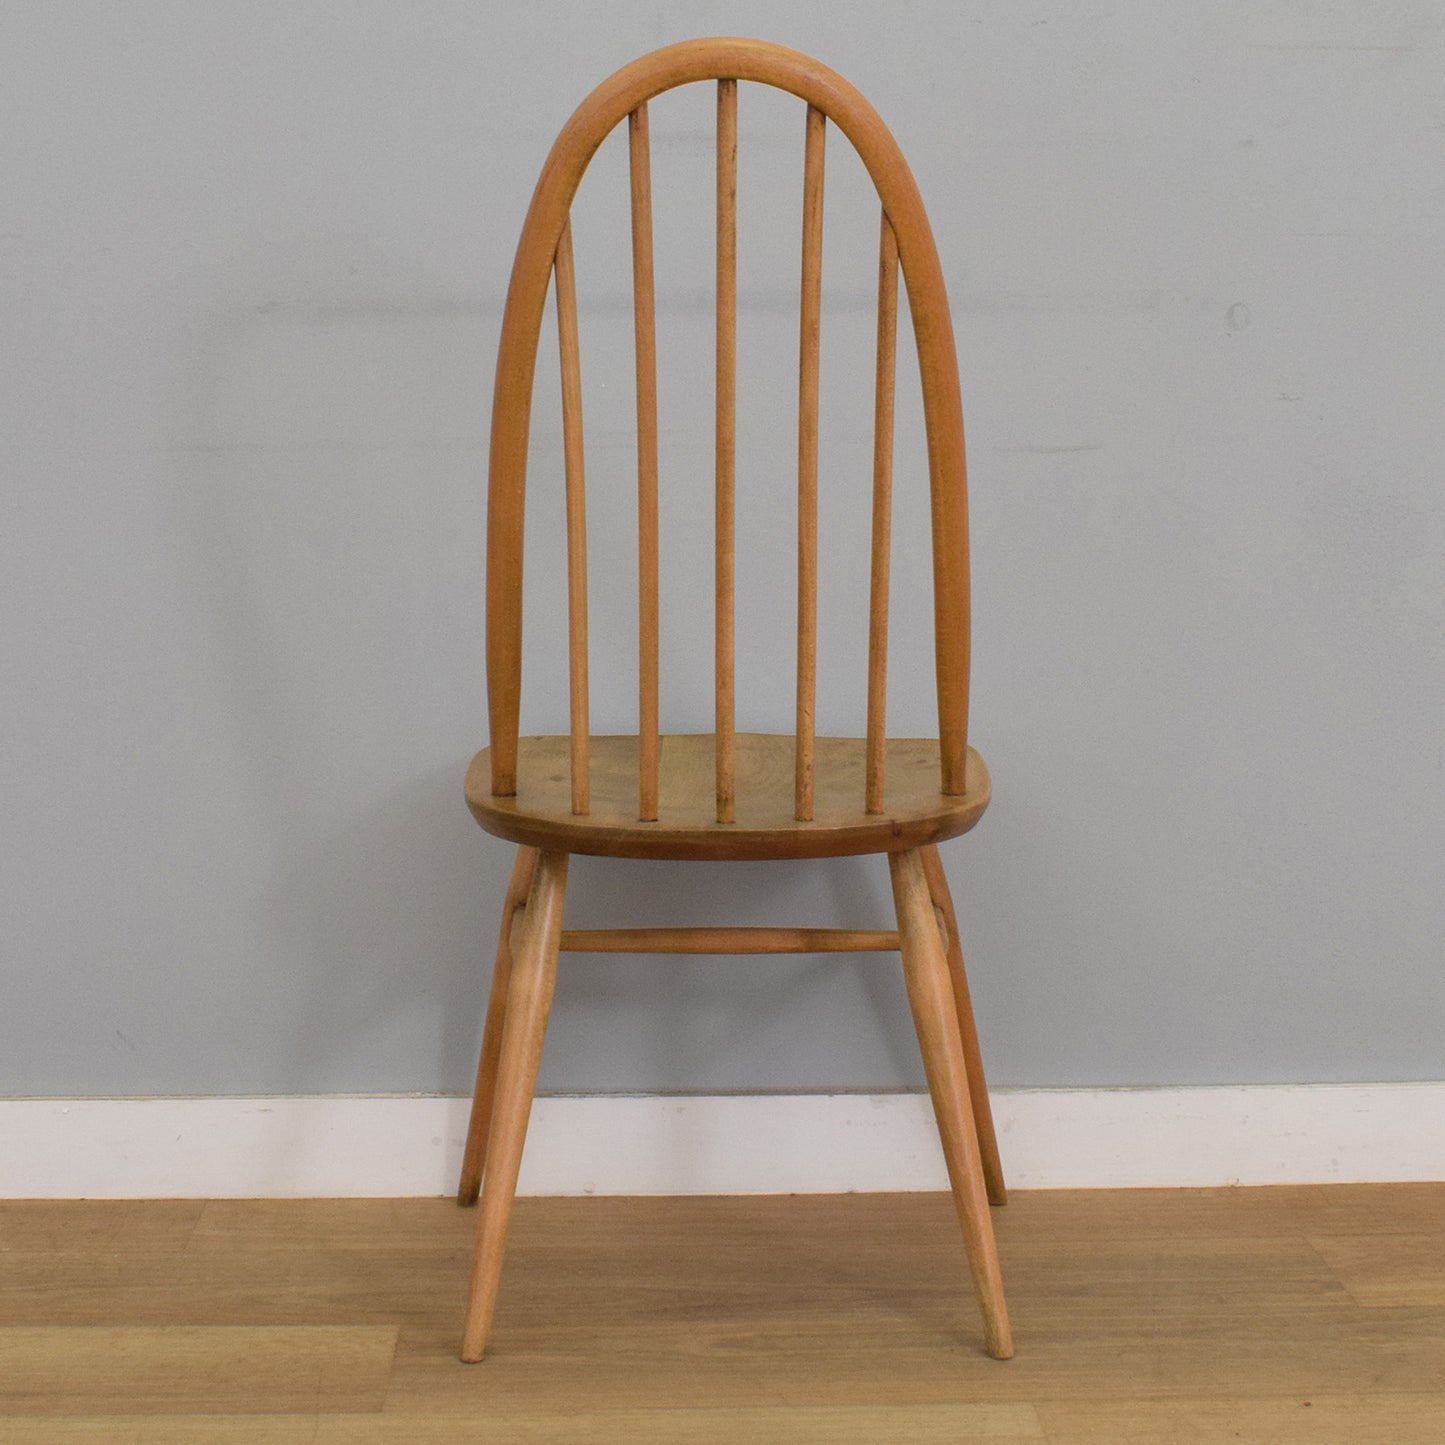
x=545 y=249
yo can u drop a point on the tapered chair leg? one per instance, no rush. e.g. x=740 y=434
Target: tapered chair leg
x=529 y=999
x=474 y=1158
x=968 y=1031
x=930 y=994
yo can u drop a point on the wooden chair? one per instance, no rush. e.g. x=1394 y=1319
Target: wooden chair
x=727 y=795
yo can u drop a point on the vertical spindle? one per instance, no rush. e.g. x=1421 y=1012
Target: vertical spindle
x=726 y=445
x=882 y=515
x=565 y=277
x=808 y=463
x=645 y=333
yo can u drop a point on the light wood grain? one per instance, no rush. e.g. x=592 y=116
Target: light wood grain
x=645 y=341
x=85 y=1370
x=1388 y=1270
x=368 y=1261
x=1307 y=1209
x=729 y=940
x=329 y=1284
x=777 y=1425
x=968 y=1030
x=529 y=999
x=831 y=96
x=722 y=797
x=725 y=539
x=886 y=366
x=844 y=1350
x=371 y=1225
x=573 y=466
x=1142 y=1316
x=1323 y=1419
x=930 y=996
x=540 y=813
x=1320 y=1418
x=809 y=324
x=474 y=1154
x=1117 y=1282
x=184 y=1430
x=69 y=1224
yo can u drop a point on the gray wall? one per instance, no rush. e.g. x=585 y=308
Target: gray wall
x=253 y=262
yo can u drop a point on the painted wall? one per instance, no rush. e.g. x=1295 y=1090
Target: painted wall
x=253 y=263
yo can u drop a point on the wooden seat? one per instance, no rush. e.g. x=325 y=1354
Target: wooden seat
x=725 y=794
x=540 y=813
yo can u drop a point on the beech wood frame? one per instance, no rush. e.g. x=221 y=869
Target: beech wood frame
x=531 y=935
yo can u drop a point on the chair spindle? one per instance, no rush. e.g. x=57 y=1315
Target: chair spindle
x=808 y=328
x=645 y=332
x=877 y=743
x=565 y=277
x=726 y=446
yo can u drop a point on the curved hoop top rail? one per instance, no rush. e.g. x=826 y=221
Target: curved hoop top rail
x=612 y=102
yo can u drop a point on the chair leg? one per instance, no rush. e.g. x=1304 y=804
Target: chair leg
x=963 y=1006
x=529 y=999
x=930 y=993
x=474 y=1158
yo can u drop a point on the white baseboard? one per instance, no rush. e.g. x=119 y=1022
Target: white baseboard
x=720 y=1144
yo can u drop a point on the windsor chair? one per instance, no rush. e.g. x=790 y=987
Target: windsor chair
x=726 y=795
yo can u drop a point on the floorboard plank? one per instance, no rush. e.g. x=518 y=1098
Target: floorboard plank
x=1294 y=1420
x=166 y=1430
x=1096 y=1214
x=1142 y=1315
x=826 y=1425
x=38 y=1224
x=1388 y=1269
x=909 y=1425
x=324 y=1286
x=866 y=1359
x=390 y=1225
x=141 y=1369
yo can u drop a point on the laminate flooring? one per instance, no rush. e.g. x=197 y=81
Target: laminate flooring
x=1309 y=1314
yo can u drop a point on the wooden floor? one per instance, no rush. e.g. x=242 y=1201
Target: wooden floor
x=1260 y=1315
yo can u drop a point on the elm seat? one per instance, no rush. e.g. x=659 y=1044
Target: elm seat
x=540 y=814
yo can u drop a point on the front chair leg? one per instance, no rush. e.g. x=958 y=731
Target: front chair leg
x=968 y=1030
x=474 y=1158
x=930 y=994
x=529 y=999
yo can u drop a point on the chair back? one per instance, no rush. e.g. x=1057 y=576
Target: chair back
x=545 y=258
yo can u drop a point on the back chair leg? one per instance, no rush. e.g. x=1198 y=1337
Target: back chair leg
x=529 y=1000
x=931 y=995
x=963 y=1006
x=474 y=1158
